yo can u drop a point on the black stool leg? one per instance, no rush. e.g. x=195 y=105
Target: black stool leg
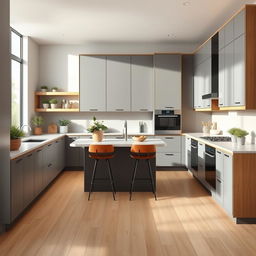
x=152 y=179
x=133 y=177
x=111 y=179
x=93 y=178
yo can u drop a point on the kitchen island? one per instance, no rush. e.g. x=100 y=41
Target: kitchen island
x=122 y=165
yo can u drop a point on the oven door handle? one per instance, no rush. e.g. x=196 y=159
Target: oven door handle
x=212 y=156
x=167 y=116
x=192 y=146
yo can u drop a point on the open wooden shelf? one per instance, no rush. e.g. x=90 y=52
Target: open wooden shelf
x=57 y=93
x=57 y=110
x=214 y=107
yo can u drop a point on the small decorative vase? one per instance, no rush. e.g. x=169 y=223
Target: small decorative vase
x=241 y=141
x=233 y=139
x=206 y=130
x=53 y=106
x=45 y=105
x=38 y=131
x=63 y=129
x=97 y=136
x=15 y=144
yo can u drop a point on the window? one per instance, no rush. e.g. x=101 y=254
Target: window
x=16 y=67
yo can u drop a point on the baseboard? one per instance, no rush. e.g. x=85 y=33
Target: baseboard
x=245 y=220
x=171 y=168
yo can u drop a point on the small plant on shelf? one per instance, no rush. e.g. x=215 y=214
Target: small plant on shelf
x=241 y=134
x=54 y=89
x=37 y=122
x=46 y=104
x=15 y=135
x=54 y=103
x=64 y=125
x=97 y=129
x=44 y=88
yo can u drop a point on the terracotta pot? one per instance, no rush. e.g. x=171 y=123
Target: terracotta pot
x=15 y=144
x=38 y=131
x=97 y=136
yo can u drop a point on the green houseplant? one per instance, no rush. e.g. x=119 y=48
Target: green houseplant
x=64 y=125
x=15 y=135
x=97 y=128
x=46 y=104
x=44 y=88
x=37 y=122
x=232 y=132
x=241 y=134
x=54 y=103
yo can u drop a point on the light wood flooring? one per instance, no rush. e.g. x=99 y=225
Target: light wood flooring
x=184 y=221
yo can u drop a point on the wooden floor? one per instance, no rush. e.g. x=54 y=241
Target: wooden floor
x=184 y=221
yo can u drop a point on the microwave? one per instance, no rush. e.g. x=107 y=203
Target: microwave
x=167 y=121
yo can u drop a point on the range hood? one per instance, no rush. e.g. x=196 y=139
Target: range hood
x=215 y=69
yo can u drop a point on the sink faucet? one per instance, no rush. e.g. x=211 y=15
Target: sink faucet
x=125 y=130
x=28 y=132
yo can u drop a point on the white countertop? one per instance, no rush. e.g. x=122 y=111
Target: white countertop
x=117 y=142
x=229 y=147
x=27 y=147
x=108 y=134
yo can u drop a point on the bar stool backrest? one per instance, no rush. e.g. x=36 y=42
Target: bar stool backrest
x=143 y=151
x=101 y=151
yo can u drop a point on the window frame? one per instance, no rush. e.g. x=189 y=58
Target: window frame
x=20 y=61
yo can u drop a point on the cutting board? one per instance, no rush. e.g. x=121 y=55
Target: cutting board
x=52 y=128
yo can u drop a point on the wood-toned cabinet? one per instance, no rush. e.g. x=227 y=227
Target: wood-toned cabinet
x=167 y=81
x=93 y=83
x=142 y=83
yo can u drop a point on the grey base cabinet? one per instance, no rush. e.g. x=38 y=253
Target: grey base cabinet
x=74 y=156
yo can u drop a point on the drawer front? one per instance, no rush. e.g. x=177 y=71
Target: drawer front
x=173 y=144
x=201 y=150
x=168 y=159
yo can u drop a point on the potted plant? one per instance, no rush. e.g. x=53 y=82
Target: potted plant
x=44 y=88
x=97 y=129
x=46 y=104
x=15 y=135
x=240 y=134
x=54 y=89
x=232 y=132
x=64 y=125
x=37 y=121
x=54 y=103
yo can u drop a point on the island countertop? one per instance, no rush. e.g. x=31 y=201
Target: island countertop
x=117 y=142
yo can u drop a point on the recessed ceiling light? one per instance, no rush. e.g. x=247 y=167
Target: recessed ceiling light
x=186 y=3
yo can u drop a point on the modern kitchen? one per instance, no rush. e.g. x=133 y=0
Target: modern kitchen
x=133 y=133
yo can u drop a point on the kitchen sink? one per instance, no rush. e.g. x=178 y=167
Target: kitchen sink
x=33 y=140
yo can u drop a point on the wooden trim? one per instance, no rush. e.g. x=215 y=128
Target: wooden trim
x=244 y=189
x=57 y=110
x=57 y=93
x=250 y=64
x=203 y=109
x=232 y=108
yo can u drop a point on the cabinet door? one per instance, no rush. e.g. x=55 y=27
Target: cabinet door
x=219 y=164
x=207 y=74
x=92 y=83
x=73 y=155
x=38 y=171
x=28 y=179
x=229 y=32
x=200 y=89
x=239 y=24
x=168 y=159
x=173 y=144
x=118 y=83
x=221 y=39
x=228 y=184
x=196 y=87
x=167 y=82
x=229 y=74
x=239 y=72
x=16 y=187
x=221 y=77
x=187 y=148
x=142 y=83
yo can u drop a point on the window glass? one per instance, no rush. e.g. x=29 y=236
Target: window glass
x=16 y=45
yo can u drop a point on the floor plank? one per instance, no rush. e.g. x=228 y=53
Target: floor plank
x=184 y=220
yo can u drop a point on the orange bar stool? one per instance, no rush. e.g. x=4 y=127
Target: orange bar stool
x=102 y=152
x=143 y=152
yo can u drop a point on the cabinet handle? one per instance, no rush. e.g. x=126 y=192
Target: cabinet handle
x=212 y=156
x=208 y=105
x=218 y=152
x=200 y=144
x=143 y=109
x=221 y=104
x=168 y=107
x=219 y=180
x=169 y=154
x=226 y=155
x=19 y=161
x=237 y=102
x=119 y=109
x=169 y=138
x=93 y=109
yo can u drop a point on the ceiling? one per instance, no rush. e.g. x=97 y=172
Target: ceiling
x=83 y=21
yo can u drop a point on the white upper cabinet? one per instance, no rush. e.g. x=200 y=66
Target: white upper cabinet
x=168 y=81
x=222 y=77
x=239 y=24
x=239 y=72
x=92 y=83
x=221 y=38
x=207 y=83
x=142 y=76
x=229 y=32
x=118 y=83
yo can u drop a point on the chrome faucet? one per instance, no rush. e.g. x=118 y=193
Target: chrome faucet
x=125 y=130
x=28 y=132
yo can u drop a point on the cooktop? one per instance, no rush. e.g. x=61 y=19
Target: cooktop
x=217 y=138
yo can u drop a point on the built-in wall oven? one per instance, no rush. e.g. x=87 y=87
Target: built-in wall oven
x=167 y=121
x=210 y=166
x=194 y=155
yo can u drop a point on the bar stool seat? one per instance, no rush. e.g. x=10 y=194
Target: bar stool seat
x=102 y=152
x=143 y=152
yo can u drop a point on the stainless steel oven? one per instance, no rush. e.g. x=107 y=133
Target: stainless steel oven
x=210 y=166
x=167 y=121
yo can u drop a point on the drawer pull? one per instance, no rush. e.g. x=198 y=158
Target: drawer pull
x=169 y=154
x=143 y=109
x=218 y=152
x=219 y=180
x=237 y=102
x=169 y=138
x=93 y=109
x=168 y=107
x=226 y=155
x=119 y=109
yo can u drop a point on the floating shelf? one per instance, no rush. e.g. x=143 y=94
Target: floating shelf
x=57 y=93
x=214 y=107
x=57 y=110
